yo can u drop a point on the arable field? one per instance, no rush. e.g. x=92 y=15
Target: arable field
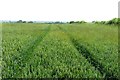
x=33 y=50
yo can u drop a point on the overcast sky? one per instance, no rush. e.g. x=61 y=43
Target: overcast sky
x=58 y=10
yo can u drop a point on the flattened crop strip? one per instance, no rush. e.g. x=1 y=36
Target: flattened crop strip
x=24 y=54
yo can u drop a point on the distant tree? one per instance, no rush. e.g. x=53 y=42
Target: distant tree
x=114 y=21
x=57 y=22
x=102 y=22
x=71 y=22
x=118 y=21
x=77 y=22
x=30 y=22
x=93 y=21
x=110 y=22
x=24 y=22
x=82 y=22
x=96 y=22
x=20 y=21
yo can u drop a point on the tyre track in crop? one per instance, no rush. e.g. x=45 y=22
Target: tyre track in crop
x=86 y=53
x=25 y=54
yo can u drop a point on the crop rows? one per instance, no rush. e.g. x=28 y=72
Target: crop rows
x=100 y=50
x=17 y=47
x=59 y=51
x=57 y=58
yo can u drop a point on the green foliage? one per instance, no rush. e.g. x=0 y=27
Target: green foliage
x=30 y=21
x=71 y=22
x=98 y=43
x=114 y=21
x=59 y=51
x=24 y=22
x=20 y=21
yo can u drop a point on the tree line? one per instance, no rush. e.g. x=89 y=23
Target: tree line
x=114 y=21
x=20 y=21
